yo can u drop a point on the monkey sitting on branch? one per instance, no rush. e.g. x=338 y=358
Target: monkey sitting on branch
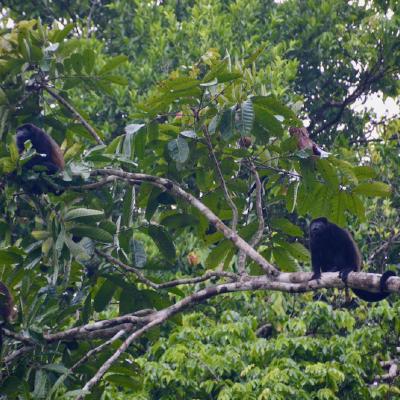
x=48 y=155
x=334 y=250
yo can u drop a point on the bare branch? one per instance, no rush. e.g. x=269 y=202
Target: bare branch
x=104 y=368
x=18 y=337
x=97 y=349
x=137 y=272
x=176 y=190
x=94 y=185
x=89 y=17
x=232 y=205
x=330 y=279
x=70 y=108
x=258 y=235
x=176 y=282
x=17 y=353
x=384 y=247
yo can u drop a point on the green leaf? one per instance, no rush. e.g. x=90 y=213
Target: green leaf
x=117 y=79
x=89 y=59
x=139 y=253
x=77 y=62
x=286 y=226
x=284 y=260
x=128 y=206
x=272 y=104
x=104 y=295
x=126 y=381
x=298 y=251
x=378 y=189
x=355 y=205
x=40 y=388
x=189 y=134
x=337 y=208
x=113 y=63
x=268 y=121
x=78 y=213
x=218 y=254
x=364 y=172
x=9 y=257
x=92 y=232
x=176 y=221
x=253 y=57
x=179 y=150
x=328 y=172
x=163 y=241
x=59 y=368
x=59 y=35
x=246 y=118
x=226 y=124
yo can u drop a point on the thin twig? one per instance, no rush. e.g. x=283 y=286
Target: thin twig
x=261 y=225
x=17 y=353
x=232 y=205
x=69 y=107
x=176 y=282
x=98 y=349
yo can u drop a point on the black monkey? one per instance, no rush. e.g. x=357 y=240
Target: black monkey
x=334 y=250
x=49 y=152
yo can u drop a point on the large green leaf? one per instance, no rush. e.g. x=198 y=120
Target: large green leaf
x=227 y=124
x=286 y=226
x=10 y=256
x=139 y=253
x=163 y=241
x=82 y=213
x=373 y=189
x=218 y=254
x=246 y=118
x=179 y=150
x=104 y=295
x=273 y=105
x=179 y=220
x=268 y=121
x=328 y=172
x=92 y=232
x=113 y=63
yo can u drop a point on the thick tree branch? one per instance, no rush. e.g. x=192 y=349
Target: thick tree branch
x=285 y=283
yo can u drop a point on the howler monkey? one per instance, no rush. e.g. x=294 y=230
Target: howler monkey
x=334 y=250
x=49 y=152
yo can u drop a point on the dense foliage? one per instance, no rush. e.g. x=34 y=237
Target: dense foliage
x=91 y=245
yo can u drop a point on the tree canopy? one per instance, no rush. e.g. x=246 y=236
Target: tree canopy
x=189 y=177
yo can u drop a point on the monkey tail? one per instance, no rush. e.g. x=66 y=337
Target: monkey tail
x=371 y=296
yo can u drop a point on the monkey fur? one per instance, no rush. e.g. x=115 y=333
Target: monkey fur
x=49 y=152
x=334 y=250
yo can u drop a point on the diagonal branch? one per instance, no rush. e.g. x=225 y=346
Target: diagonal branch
x=70 y=108
x=261 y=225
x=232 y=205
x=176 y=190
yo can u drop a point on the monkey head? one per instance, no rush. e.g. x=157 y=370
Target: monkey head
x=318 y=226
